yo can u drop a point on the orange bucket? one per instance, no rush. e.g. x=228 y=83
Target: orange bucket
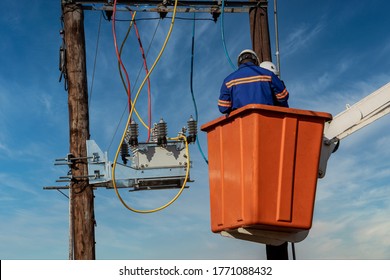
x=263 y=167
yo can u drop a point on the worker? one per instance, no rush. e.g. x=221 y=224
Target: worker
x=252 y=83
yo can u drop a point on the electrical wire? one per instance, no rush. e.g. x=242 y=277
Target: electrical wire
x=94 y=62
x=192 y=88
x=136 y=80
x=62 y=57
x=128 y=123
x=223 y=36
x=119 y=57
x=121 y=73
x=149 y=87
x=120 y=62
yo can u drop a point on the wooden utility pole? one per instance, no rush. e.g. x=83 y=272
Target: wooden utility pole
x=82 y=220
x=259 y=29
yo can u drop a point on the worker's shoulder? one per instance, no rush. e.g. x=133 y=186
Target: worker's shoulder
x=234 y=75
x=245 y=72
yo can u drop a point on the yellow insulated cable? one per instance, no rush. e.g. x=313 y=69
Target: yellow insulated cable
x=128 y=123
x=120 y=69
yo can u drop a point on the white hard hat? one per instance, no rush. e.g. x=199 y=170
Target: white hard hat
x=269 y=66
x=247 y=54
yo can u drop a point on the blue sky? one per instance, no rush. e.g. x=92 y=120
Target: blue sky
x=333 y=53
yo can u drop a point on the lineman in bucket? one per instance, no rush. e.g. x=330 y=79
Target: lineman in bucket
x=252 y=83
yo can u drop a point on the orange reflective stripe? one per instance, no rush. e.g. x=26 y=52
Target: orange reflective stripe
x=224 y=103
x=247 y=80
x=282 y=95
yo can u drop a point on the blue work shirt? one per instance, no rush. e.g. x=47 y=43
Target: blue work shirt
x=251 y=84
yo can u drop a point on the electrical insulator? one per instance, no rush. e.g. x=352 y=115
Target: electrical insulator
x=133 y=133
x=124 y=152
x=161 y=133
x=192 y=130
x=153 y=133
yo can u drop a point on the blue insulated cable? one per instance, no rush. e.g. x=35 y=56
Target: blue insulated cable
x=223 y=36
x=192 y=90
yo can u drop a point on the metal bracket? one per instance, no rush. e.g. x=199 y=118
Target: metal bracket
x=328 y=147
x=166 y=6
x=70 y=160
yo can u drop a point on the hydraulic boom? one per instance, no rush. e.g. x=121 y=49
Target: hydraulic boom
x=355 y=117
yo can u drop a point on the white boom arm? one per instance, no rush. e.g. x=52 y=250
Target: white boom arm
x=355 y=117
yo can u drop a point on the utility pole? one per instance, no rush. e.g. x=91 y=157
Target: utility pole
x=82 y=220
x=259 y=28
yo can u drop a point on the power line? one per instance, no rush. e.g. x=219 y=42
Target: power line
x=94 y=63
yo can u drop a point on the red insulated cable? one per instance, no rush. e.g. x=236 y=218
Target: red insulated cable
x=118 y=55
x=147 y=71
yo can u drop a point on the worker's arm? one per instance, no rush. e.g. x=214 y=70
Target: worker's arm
x=224 y=101
x=280 y=91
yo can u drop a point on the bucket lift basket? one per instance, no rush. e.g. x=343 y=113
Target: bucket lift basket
x=263 y=170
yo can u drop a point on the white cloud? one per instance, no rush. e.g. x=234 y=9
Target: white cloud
x=300 y=37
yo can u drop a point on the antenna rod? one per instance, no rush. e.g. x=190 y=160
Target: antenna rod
x=277 y=36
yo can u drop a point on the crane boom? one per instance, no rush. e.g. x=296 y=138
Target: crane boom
x=355 y=117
